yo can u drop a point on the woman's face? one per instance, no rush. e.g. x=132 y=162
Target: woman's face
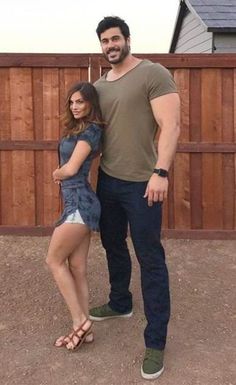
x=78 y=106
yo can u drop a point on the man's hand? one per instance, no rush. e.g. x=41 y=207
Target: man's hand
x=157 y=189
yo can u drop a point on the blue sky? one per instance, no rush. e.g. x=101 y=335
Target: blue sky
x=59 y=26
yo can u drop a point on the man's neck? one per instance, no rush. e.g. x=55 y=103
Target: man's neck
x=120 y=69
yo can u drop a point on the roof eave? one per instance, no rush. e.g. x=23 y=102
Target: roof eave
x=181 y=13
x=221 y=29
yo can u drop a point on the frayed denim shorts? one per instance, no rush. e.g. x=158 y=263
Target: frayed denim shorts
x=74 y=218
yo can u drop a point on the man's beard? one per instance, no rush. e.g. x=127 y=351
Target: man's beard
x=123 y=53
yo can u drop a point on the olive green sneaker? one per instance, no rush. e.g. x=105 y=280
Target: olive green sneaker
x=104 y=312
x=152 y=366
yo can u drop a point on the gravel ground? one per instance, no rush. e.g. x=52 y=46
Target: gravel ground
x=201 y=347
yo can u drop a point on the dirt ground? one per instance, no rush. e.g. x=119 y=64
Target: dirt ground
x=201 y=347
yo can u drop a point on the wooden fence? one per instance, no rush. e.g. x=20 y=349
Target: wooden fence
x=201 y=201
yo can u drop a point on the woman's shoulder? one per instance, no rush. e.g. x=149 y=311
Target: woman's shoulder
x=94 y=126
x=92 y=135
x=92 y=129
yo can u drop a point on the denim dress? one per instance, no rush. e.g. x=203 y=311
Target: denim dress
x=77 y=193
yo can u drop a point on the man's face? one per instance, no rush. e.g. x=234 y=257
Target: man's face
x=114 y=46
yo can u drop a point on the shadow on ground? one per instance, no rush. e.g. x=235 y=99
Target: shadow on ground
x=201 y=346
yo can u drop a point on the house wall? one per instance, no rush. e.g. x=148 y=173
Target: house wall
x=193 y=37
x=224 y=42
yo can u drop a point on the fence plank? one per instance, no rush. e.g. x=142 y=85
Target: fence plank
x=212 y=163
x=5 y=158
x=51 y=131
x=228 y=159
x=5 y=132
x=21 y=118
x=37 y=78
x=23 y=194
x=181 y=163
x=6 y=188
x=234 y=108
x=52 y=205
x=195 y=159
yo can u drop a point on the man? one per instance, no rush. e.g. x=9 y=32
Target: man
x=137 y=97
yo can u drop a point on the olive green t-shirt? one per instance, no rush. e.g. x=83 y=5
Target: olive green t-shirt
x=128 y=149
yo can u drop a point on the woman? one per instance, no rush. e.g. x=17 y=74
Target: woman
x=69 y=245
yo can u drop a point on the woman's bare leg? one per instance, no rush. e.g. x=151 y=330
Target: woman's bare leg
x=65 y=239
x=78 y=268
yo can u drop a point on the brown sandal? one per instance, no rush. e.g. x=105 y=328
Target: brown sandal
x=64 y=340
x=81 y=338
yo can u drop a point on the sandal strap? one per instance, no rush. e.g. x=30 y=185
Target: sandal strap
x=62 y=341
x=80 y=328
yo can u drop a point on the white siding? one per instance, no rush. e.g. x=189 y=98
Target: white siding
x=193 y=37
x=225 y=42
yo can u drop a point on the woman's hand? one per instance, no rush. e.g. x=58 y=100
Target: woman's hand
x=55 y=176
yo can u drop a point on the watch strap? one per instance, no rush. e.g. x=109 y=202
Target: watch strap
x=161 y=172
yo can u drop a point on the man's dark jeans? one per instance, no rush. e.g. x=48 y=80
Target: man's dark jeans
x=122 y=203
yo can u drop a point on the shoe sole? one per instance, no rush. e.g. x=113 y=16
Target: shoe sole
x=152 y=376
x=93 y=318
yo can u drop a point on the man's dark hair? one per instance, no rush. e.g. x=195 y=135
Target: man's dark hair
x=112 y=22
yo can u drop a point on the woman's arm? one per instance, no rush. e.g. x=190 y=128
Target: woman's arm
x=166 y=110
x=80 y=153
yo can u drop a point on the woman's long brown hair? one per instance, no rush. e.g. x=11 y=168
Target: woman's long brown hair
x=75 y=126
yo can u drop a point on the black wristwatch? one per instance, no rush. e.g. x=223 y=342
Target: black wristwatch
x=161 y=172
